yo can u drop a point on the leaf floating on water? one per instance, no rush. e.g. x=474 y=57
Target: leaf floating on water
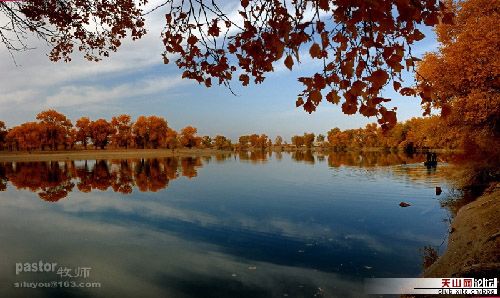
x=404 y=204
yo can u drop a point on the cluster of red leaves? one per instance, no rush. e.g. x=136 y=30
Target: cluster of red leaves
x=94 y=27
x=363 y=44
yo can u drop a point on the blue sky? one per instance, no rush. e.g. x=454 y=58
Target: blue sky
x=135 y=81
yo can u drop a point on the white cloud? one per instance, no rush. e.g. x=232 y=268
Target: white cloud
x=36 y=83
x=73 y=95
x=17 y=96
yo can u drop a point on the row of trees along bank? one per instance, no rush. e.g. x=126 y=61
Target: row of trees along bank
x=54 y=131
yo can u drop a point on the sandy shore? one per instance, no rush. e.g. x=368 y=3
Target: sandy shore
x=103 y=154
x=474 y=241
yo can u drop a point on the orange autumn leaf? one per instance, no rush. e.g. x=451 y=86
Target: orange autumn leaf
x=378 y=78
x=396 y=85
x=244 y=78
x=349 y=108
x=333 y=97
x=315 y=51
x=309 y=107
x=299 y=102
x=289 y=62
x=315 y=97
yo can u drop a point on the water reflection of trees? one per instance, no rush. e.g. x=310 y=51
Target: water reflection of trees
x=3 y=177
x=399 y=165
x=53 y=180
x=303 y=156
x=255 y=157
x=371 y=159
x=374 y=159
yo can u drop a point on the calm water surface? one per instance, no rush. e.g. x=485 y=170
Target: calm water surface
x=244 y=225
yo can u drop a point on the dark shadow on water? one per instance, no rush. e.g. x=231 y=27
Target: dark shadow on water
x=197 y=285
x=278 y=249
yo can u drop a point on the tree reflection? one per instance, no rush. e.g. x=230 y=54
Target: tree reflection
x=101 y=177
x=53 y=181
x=85 y=176
x=50 y=180
x=123 y=178
x=372 y=159
x=3 y=177
x=150 y=175
x=305 y=156
x=255 y=157
x=222 y=157
x=189 y=166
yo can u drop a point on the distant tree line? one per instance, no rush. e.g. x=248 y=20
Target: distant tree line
x=54 y=131
x=416 y=133
x=413 y=134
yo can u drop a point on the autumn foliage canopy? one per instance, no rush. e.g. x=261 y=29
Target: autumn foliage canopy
x=364 y=45
x=462 y=78
x=55 y=132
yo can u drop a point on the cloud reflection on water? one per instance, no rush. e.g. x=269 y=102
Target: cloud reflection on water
x=199 y=236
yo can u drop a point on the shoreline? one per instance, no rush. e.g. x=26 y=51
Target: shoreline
x=104 y=154
x=82 y=154
x=474 y=240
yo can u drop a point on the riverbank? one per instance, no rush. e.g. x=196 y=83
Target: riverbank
x=80 y=154
x=474 y=240
x=7 y=156
x=320 y=149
